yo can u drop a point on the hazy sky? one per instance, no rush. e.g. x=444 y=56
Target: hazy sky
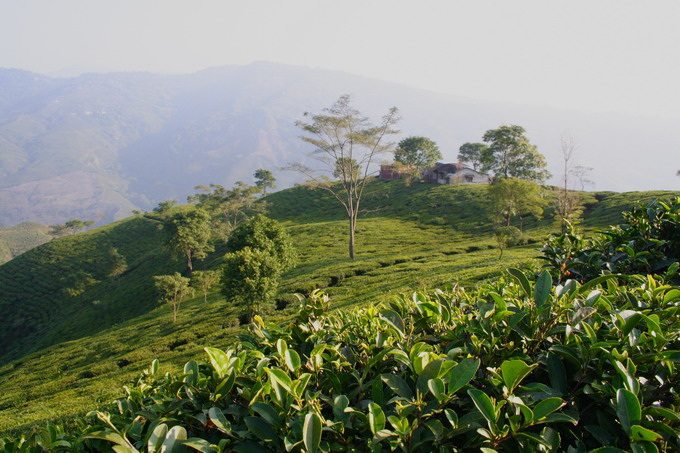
x=594 y=55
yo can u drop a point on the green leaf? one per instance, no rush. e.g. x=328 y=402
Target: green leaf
x=557 y=374
x=542 y=288
x=311 y=432
x=662 y=412
x=219 y=420
x=260 y=428
x=627 y=409
x=109 y=436
x=376 y=418
x=462 y=374
x=522 y=279
x=437 y=388
x=513 y=371
x=292 y=360
x=219 y=360
x=484 y=406
x=639 y=433
x=156 y=438
x=199 y=444
x=267 y=412
x=173 y=439
x=547 y=406
x=397 y=385
x=154 y=366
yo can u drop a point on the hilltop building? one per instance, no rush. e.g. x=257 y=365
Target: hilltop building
x=441 y=173
x=456 y=173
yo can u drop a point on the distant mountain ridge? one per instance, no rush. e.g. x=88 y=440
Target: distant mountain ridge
x=99 y=145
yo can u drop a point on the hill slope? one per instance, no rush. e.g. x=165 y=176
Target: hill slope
x=99 y=145
x=82 y=318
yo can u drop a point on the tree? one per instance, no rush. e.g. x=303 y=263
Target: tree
x=173 y=290
x=71 y=227
x=473 y=153
x=513 y=197
x=417 y=153
x=264 y=179
x=188 y=234
x=340 y=134
x=568 y=207
x=230 y=207
x=164 y=207
x=261 y=251
x=263 y=233
x=204 y=280
x=506 y=236
x=251 y=275
x=511 y=155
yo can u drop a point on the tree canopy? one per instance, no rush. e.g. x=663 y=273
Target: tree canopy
x=188 y=234
x=264 y=179
x=473 y=154
x=263 y=233
x=173 y=290
x=417 y=152
x=511 y=155
x=341 y=137
x=513 y=197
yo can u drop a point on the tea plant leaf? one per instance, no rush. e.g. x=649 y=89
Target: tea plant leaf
x=157 y=437
x=219 y=420
x=173 y=438
x=311 y=432
x=484 y=406
x=219 y=360
x=522 y=279
x=513 y=371
x=260 y=428
x=542 y=288
x=199 y=444
x=397 y=385
x=376 y=418
x=462 y=374
x=547 y=406
x=292 y=360
x=637 y=432
x=627 y=409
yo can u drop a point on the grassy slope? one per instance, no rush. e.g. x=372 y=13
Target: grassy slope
x=415 y=236
x=17 y=239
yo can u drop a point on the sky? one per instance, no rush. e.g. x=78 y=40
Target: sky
x=591 y=56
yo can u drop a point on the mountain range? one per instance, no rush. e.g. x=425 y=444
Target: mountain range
x=98 y=146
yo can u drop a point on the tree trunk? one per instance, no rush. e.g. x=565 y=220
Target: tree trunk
x=352 y=226
x=189 y=265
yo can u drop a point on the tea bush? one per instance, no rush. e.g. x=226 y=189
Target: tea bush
x=648 y=241
x=513 y=366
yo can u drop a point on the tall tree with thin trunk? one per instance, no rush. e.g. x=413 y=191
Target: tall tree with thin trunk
x=187 y=234
x=346 y=144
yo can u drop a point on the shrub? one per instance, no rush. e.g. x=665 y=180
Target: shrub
x=647 y=242
x=513 y=366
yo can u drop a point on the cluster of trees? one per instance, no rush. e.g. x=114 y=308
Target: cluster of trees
x=69 y=228
x=259 y=248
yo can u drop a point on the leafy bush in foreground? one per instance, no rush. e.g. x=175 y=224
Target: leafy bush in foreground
x=514 y=366
x=647 y=242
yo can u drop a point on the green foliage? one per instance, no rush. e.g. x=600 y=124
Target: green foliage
x=513 y=366
x=204 y=280
x=229 y=207
x=647 y=242
x=347 y=144
x=473 y=153
x=188 y=234
x=173 y=290
x=164 y=207
x=417 y=152
x=251 y=276
x=507 y=236
x=511 y=155
x=70 y=227
x=512 y=197
x=264 y=179
x=264 y=234
x=261 y=251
